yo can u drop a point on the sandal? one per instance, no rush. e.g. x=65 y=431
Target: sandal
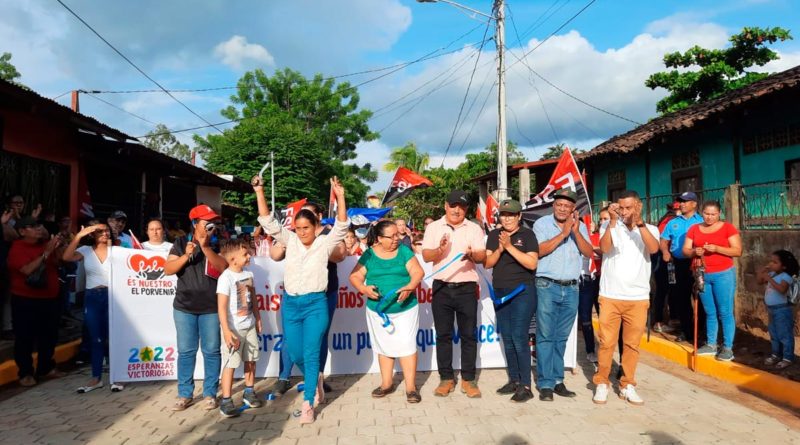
x=413 y=397
x=85 y=389
x=182 y=403
x=379 y=392
x=117 y=387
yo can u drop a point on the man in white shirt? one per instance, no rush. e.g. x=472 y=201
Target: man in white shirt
x=627 y=244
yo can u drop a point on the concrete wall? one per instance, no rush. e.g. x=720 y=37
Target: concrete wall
x=757 y=246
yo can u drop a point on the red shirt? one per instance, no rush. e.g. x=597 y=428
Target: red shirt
x=20 y=255
x=597 y=261
x=715 y=262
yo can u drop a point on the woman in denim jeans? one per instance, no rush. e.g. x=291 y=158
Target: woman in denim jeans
x=717 y=243
x=98 y=275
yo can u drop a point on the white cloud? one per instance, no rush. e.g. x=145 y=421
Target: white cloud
x=237 y=53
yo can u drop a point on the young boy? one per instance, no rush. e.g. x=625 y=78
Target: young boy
x=240 y=324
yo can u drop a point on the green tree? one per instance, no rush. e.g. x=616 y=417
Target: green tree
x=554 y=152
x=162 y=141
x=311 y=126
x=719 y=70
x=409 y=157
x=8 y=71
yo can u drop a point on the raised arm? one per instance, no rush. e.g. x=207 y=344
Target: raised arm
x=70 y=253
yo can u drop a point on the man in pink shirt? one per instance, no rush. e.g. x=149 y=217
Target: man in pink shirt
x=455 y=290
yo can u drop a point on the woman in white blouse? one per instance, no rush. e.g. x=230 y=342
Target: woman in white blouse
x=304 y=306
x=95 y=312
x=155 y=237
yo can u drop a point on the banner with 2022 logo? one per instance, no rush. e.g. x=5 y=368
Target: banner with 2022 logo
x=142 y=330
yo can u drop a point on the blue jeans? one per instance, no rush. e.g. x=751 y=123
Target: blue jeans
x=286 y=363
x=717 y=299
x=588 y=293
x=555 y=314
x=95 y=316
x=513 y=320
x=781 y=330
x=305 y=320
x=193 y=329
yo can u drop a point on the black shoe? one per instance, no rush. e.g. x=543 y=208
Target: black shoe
x=509 y=388
x=680 y=338
x=546 y=395
x=522 y=394
x=619 y=373
x=228 y=409
x=326 y=387
x=281 y=386
x=562 y=390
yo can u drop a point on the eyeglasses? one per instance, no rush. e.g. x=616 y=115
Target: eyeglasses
x=395 y=236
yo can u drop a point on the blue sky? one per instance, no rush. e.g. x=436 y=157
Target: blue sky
x=602 y=57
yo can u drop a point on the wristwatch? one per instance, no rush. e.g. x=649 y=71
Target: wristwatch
x=640 y=225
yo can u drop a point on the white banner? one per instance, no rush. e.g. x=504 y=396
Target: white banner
x=142 y=331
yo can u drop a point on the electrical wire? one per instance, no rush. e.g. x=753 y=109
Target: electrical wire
x=536 y=24
x=519 y=130
x=61 y=95
x=477 y=117
x=466 y=95
x=117 y=107
x=124 y=57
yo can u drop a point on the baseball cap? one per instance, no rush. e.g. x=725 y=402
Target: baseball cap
x=26 y=221
x=119 y=214
x=203 y=212
x=457 y=197
x=687 y=196
x=567 y=194
x=510 y=206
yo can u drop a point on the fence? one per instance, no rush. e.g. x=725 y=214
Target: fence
x=765 y=206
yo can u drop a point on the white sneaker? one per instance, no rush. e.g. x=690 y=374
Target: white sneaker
x=592 y=357
x=600 y=394
x=630 y=395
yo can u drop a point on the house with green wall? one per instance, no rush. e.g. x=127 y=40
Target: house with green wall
x=748 y=137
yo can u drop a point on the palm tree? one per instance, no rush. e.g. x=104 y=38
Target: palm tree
x=409 y=157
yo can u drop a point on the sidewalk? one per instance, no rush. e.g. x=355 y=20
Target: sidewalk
x=675 y=412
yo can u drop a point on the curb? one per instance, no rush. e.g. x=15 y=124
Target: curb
x=762 y=383
x=64 y=353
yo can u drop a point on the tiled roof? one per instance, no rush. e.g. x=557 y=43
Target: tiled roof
x=691 y=116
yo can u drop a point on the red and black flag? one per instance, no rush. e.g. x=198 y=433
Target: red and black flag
x=565 y=176
x=291 y=211
x=403 y=183
x=488 y=214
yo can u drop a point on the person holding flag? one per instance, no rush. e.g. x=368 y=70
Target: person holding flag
x=513 y=253
x=455 y=290
x=304 y=305
x=563 y=239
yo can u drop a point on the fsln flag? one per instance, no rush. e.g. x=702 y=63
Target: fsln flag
x=403 y=183
x=487 y=213
x=565 y=176
x=135 y=241
x=291 y=211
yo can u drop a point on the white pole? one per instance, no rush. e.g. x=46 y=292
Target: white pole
x=502 y=155
x=272 y=179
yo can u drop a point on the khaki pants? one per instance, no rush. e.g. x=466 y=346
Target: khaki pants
x=633 y=317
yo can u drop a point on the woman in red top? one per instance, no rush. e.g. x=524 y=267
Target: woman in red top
x=35 y=310
x=717 y=243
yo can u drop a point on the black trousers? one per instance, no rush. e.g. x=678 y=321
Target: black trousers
x=681 y=294
x=459 y=304
x=35 y=323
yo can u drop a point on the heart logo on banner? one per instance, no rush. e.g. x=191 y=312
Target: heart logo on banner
x=149 y=268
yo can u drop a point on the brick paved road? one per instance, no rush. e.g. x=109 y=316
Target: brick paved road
x=675 y=412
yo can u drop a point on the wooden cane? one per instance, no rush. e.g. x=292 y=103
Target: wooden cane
x=694 y=351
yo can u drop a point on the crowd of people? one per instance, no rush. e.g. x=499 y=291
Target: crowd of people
x=558 y=271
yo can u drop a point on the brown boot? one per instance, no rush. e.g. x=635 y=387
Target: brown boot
x=445 y=388
x=470 y=388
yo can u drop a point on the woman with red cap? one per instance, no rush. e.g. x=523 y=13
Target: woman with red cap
x=196 y=262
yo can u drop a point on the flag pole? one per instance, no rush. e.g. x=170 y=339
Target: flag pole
x=272 y=177
x=383 y=200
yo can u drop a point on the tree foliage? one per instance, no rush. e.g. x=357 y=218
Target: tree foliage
x=162 y=141
x=555 y=151
x=311 y=126
x=8 y=71
x=719 y=70
x=409 y=157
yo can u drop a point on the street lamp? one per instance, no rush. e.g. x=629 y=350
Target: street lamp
x=502 y=148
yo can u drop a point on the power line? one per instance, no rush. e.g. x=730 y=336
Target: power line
x=472 y=105
x=134 y=65
x=466 y=94
x=477 y=117
x=118 y=108
x=61 y=95
x=536 y=24
x=516 y=122
x=554 y=32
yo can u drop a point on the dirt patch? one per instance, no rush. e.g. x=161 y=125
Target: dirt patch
x=752 y=347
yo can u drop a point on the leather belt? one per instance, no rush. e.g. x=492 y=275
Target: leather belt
x=560 y=282
x=452 y=285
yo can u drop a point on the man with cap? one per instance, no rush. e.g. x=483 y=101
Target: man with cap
x=671 y=245
x=513 y=252
x=455 y=290
x=117 y=222
x=562 y=241
x=196 y=262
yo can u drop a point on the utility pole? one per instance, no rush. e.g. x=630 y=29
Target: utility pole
x=502 y=145
x=76 y=107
